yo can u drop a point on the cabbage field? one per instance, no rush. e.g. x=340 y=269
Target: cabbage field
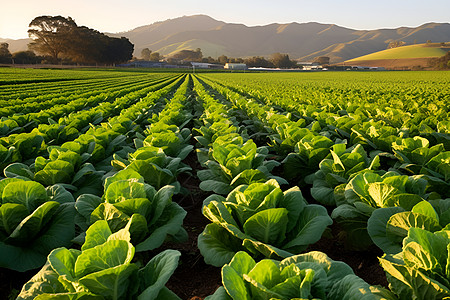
x=128 y=184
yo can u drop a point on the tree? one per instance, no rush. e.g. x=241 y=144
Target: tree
x=5 y=55
x=26 y=57
x=222 y=59
x=155 y=56
x=209 y=60
x=442 y=62
x=86 y=46
x=50 y=35
x=281 y=60
x=257 y=61
x=395 y=44
x=189 y=55
x=237 y=60
x=145 y=54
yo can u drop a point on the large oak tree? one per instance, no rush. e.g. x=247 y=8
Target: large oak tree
x=50 y=35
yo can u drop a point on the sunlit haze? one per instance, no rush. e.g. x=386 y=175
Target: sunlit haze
x=117 y=16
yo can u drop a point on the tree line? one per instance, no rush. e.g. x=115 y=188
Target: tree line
x=60 y=40
x=20 y=57
x=276 y=60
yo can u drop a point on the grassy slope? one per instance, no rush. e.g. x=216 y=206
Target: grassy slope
x=405 y=52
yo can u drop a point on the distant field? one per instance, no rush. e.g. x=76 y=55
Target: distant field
x=405 y=52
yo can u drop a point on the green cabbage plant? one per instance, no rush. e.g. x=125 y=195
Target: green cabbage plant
x=287 y=133
x=233 y=163
x=211 y=131
x=417 y=157
x=173 y=141
x=33 y=221
x=261 y=219
x=154 y=166
x=26 y=146
x=368 y=191
x=374 y=135
x=334 y=172
x=127 y=198
x=56 y=134
x=307 y=155
x=311 y=275
x=102 y=269
x=9 y=126
x=421 y=270
x=388 y=226
x=62 y=167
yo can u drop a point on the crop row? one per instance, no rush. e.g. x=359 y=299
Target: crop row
x=20 y=147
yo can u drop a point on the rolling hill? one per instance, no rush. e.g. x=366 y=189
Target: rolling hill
x=302 y=41
x=411 y=51
x=404 y=56
x=16 y=45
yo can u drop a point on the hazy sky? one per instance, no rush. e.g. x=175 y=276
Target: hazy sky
x=123 y=15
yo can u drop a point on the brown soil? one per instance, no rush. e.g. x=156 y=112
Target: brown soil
x=193 y=279
x=11 y=282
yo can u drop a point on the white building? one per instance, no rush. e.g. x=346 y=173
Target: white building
x=199 y=65
x=231 y=66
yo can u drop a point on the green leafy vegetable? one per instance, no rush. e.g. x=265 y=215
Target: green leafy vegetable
x=102 y=270
x=306 y=276
x=261 y=219
x=421 y=269
x=33 y=221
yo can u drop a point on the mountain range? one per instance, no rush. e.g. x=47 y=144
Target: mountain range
x=302 y=41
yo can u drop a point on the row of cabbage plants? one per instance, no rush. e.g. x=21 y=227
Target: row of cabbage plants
x=135 y=213
x=33 y=101
x=24 y=147
x=23 y=92
x=31 y=115
x=18 y=76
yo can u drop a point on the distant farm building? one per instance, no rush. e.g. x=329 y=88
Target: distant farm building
x=308 y=66
x=198 y=65
x=232 y=66
x=365 y=68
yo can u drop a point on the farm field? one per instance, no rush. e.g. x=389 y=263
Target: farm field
x=140 y=185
